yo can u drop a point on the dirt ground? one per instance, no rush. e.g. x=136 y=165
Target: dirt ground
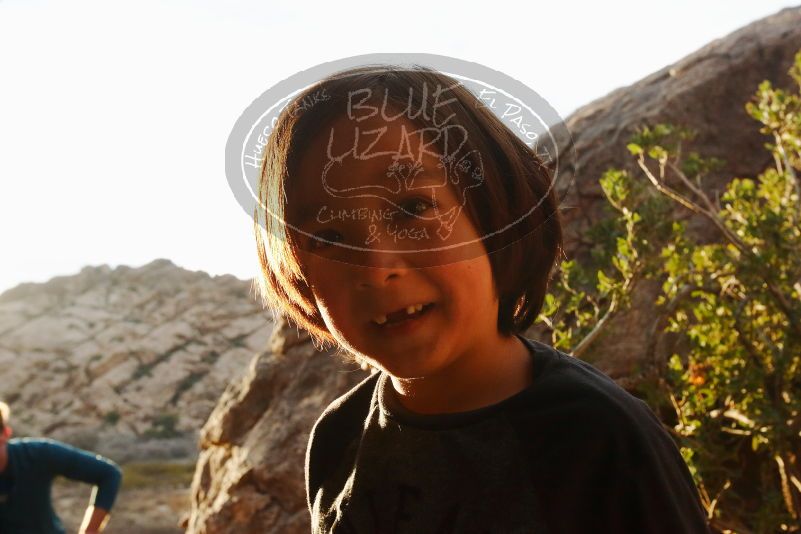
x=140 y=508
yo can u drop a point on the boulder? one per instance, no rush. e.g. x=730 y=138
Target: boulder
x=249 y=476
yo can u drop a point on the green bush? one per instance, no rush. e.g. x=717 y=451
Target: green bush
x=111 y=417
x=137 y=475
x=163 y=427
x=735 y=303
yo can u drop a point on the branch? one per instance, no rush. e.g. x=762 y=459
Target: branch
x=596 y=330
x=709 y=212
x=667 y=190
x=670 y=308
x=744 y=340
x=714 y=502
x=781 y=300
x=627 y=286
x=787 y=165
x=791 y=498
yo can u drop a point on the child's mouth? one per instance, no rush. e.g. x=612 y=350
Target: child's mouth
x=402 y=317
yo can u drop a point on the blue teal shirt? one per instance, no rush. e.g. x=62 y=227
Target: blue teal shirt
x=25 y=505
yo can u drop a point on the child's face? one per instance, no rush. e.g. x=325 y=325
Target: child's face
x=355 y=286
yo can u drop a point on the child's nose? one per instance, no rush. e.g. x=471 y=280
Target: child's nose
x=373 y=268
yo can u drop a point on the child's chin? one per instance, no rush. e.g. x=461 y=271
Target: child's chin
x=408 y=369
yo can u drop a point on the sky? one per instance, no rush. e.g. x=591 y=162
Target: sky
x=114 y=116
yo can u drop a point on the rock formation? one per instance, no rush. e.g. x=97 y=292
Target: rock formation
x=129 y=362
x=249 y=477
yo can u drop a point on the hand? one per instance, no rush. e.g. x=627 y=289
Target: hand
x=93 y=521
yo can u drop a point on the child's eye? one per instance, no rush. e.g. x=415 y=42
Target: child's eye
x=323 y=238
x=416 y=206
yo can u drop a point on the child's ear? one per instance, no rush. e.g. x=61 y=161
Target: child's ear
x=7 y=431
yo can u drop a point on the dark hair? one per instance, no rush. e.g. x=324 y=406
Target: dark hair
x=521 y=256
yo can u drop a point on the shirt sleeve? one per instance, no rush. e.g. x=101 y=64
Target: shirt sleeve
x=621 y=474
x=77 y=464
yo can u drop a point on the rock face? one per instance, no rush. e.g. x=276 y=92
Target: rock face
x=250 y=477
x=706 y=91
x=128 y=362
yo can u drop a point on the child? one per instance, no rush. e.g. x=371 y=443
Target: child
x=401 y=222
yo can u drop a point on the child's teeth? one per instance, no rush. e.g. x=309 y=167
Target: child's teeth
x=414 y=308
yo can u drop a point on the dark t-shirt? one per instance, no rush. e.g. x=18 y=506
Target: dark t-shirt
x=571 y=453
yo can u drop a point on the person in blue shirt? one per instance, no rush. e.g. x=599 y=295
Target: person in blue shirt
x=27 y=469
